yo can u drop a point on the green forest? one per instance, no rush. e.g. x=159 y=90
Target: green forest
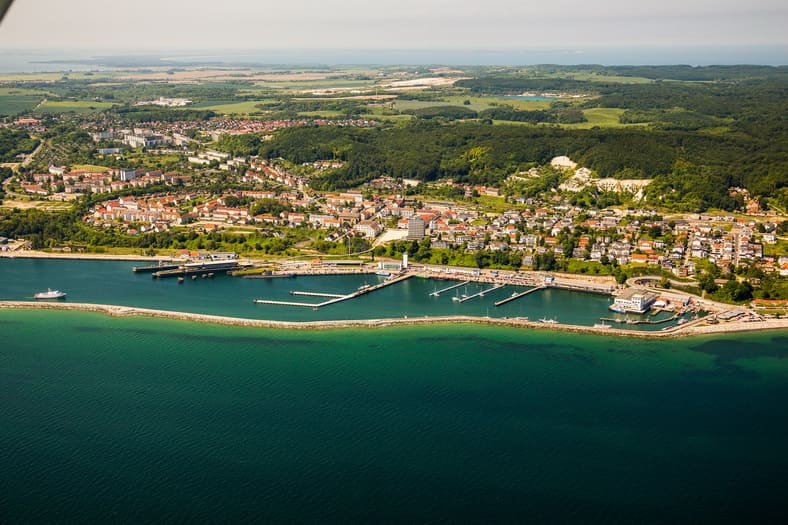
x=692 y=171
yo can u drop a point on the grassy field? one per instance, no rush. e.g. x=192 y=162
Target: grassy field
x=601 y=117
x=591 y=76
x=230 y=108
x=320 y=114
x=77 y=106
x=482 y=103
x=16 y=100
x=90 y=167
x=476 y=103
x=13 y=104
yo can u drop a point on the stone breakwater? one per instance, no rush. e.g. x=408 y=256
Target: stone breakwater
x=692 y=328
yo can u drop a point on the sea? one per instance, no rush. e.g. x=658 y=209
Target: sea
x=134 y=420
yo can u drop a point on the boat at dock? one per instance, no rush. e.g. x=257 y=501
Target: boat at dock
x=50 y=294
x=601 y=325
x=383 y=273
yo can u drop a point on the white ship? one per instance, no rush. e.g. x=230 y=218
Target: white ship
x=50 y=294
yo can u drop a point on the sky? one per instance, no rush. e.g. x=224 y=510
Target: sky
x=559 y=26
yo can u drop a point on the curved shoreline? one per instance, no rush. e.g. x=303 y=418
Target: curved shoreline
x=690 y=329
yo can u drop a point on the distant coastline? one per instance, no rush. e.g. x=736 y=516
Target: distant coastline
x=693 y=328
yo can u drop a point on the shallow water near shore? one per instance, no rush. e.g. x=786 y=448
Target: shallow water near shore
x=135 y=419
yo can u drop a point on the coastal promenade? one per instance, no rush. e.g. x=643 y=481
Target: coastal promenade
x=688 y=329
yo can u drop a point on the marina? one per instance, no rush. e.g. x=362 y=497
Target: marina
x=481 y=294
x=334 y=298
x=516 y=295
x=397 y=296
x=452 y=287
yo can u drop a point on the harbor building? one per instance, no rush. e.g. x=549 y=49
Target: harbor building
x=633 y=301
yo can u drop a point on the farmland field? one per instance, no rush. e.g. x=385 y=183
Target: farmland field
x=13 y=104
x=16 y=100
x=229 y=108
x=77 y=106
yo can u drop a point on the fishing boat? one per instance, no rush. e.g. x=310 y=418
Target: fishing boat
x=50 y=294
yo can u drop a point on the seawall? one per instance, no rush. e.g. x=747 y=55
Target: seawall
x=692 y=328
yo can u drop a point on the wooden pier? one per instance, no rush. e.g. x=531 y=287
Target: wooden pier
x=481 y=294
x=452 y=287
x=518 y=295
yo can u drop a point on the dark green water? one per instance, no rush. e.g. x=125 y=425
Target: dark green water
x=140 y=420
x=114 y=283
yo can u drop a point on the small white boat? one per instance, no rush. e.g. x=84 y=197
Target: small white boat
x=50 y=294
x=601 y=325
x=382 y=273
x=548 y=321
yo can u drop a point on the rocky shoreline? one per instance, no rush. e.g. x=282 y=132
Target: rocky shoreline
x=688 y=329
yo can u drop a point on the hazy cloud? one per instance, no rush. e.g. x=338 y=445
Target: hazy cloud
x=148 y=25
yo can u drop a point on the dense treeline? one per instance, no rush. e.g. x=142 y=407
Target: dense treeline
x=483 y=154
x=13 y=142
x=156 y=113
x=90 y=89
x=445 y=112
x=555 y=115
x=670 y=120
x=696 y=73
x=50 y=229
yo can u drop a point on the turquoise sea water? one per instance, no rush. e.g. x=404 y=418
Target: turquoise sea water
x=108 y=282
x=137 y=420
x=148 y=420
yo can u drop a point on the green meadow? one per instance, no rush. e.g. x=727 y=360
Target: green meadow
x=76 y=106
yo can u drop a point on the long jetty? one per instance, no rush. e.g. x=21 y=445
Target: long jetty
x=316 y=294
x=452 y=287
x=518 y=295
x=481 y=294
x=334 y=298
x=288 y=303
